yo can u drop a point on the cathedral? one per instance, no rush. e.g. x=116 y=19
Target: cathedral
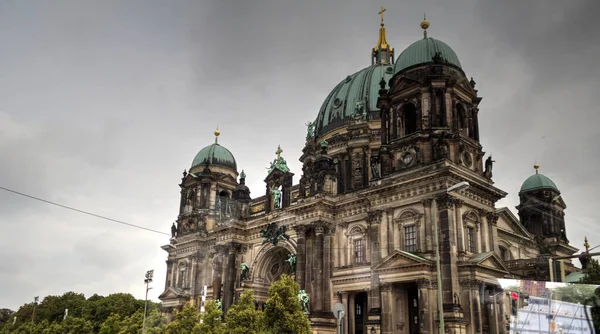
x=393 y=214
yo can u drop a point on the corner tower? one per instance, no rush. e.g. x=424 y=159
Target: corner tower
x=541 y=208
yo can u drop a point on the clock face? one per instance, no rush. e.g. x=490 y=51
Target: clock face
x=407 y=158
x=466 y=158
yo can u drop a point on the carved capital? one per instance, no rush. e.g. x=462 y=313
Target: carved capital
x=385 y=287
x=483 y=212
x=470 y=284
x=374 y=217
x=423 y=283
x=300 y=231
x=458 y=203
x=319 y=227
x=221 y=249
x=234 y=248
x=445 y=202
x=492 y=218
x=427 y=202
x=389 y=212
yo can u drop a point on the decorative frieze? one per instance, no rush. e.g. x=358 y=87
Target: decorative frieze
x=423 y=283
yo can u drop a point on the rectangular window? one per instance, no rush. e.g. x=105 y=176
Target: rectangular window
x=359 y=253
x=410 y=238
x=471 y=239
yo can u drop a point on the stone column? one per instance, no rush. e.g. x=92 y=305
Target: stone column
x=326 y=275
x=352 y=311
x=425 y=311
x=384 y=235
x=460 y=231
x=428 y=226
x=216 y=277
x=193 y=273
x=344 y=301
x=374 y=304
x=448 y=254
x=390 y=228
x=301 y=255
x=230 y=277
x=387 y=302
x=492 y=219
x=485 y=231
x=318 y=293
x=169 y=274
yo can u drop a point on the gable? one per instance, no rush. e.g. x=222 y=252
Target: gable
x=489 y=260
x=401 y=259
x=171 y=293
x=509 y=222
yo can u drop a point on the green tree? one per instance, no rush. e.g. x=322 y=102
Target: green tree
x=592 y=273
x=111 y=325
x=5 y=316
x=155 y=323
x=243 y=317
x=186 y=321
x=573 y=293
x=211 y=320
x=283 y=314
x=71 y=325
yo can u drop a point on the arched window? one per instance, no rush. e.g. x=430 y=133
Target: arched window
x=409 y=119
x=223 y=204
x=463 y=122
x=504 y=253
x=358 y=245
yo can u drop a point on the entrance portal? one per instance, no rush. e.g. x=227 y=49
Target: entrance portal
x=413 y=310
x=360 y=312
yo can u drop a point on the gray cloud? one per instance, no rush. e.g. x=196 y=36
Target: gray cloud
x=103 y=104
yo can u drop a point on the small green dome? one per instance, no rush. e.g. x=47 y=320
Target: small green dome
x=538 y=181
x=423 y=51
x=215 y=154
x=359 y=91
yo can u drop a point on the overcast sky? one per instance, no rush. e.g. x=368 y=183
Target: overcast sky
x=103 y=104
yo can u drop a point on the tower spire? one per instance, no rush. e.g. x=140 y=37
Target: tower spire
x=383 y=53
x=424 y=25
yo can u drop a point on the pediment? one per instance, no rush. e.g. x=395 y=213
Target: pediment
x=489 y=260
x=404 y=83
x=508 y=221
x=399 y=259
x=172 y=293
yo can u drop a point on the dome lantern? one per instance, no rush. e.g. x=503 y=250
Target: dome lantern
x=215 y=154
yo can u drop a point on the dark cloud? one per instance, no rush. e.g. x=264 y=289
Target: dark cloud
x=103 y=104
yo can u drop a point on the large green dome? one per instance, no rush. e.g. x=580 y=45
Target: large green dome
x=537 y=182
x=341 y=104
x=423 y=51
x=215 y=154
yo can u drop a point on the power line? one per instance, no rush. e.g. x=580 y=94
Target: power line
x=84 y=212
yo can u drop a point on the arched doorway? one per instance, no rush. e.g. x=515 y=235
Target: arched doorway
x=270 y=264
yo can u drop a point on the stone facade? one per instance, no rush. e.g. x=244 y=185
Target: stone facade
x=361 y=220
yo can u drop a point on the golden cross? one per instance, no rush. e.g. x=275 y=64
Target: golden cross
x=278 y=152
x=381 y=13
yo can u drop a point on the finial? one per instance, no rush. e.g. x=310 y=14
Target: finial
x=217 y=133
x=381 y=13
x=536 y=166
x=586 y=245
x=424 y=25
x=382 y=52
x=242 y=175
x=278 y=152
x=382 y=83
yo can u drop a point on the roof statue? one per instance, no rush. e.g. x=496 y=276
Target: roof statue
x=310 y=131
x=272 y=233
x=279 y=162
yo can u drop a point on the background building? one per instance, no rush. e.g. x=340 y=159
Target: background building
x=387 y=143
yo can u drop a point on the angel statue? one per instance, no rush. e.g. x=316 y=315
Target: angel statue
x=304 y=300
